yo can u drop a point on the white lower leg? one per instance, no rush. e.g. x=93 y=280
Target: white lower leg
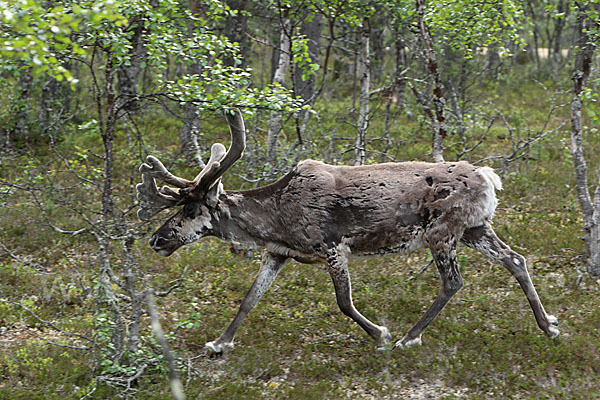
x=218 y=348
x=408 y=343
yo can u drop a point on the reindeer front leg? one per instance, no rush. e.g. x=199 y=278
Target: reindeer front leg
x=271 y=265
x=337 y=261
x=444 y=254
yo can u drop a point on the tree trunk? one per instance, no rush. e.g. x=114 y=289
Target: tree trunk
x=108 y=136
x=55 y=101
x=439 y=101
x=364 y=71
x=108 y=118
x=387 y=120
x=128 y=74
x=275 y=120
x=493 y=61
x=188 y=135
x=377 y=44
x=535 y=47
x=559 y=23
x=590 y=207
x=312 y=31
x=236 y=27
x=306 y=88
x=48 y=102
x=396 y=92
x=106 y=297
x=401 y=61
x=235 y=30
x=20 y=110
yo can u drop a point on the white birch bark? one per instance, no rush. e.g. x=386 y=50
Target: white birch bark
x=283 y=63
x=364 y=71
x=188 y=135
x=439 y=101
x=590 y=207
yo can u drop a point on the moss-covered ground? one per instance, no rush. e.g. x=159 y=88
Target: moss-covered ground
x=297 y=344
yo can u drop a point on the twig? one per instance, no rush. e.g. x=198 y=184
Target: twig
x=38 y=267
x=579 y=277
x=174 y=379
x=423 y=269
x=88 y=394
x=177 y=284
x=48 y=341
x=51 y=324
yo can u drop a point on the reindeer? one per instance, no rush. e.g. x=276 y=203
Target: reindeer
x=321 y=213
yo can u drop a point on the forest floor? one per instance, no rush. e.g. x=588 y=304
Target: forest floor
x=297 y=344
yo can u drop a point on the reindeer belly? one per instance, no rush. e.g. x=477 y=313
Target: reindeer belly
x=399 y=248
x=400 y=241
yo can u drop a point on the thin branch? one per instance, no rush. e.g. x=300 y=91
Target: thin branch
x=423 y=269
x=38 y=267
x=174 y=378
x=51 y=324
x=178 y=283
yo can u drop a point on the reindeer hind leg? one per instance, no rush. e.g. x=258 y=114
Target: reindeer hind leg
x=484 y=239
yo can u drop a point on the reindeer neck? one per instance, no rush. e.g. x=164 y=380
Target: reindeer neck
x=246 y=216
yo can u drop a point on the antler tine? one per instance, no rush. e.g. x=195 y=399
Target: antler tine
x=153 y=200
x=154 y=168
x=220 y=162
x=217 y=152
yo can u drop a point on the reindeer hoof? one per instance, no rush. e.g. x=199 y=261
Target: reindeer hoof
x=553 y=331
x=408 y=343
x=385 y=340
x=218 y=348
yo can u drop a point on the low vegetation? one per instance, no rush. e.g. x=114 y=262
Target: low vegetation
x=297 y=344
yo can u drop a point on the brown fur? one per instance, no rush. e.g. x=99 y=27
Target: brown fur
x=325 y=213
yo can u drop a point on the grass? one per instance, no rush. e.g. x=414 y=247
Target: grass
x=485 y=344
x=297 y=344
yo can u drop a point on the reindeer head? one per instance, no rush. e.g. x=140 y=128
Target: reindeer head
x=197 y=197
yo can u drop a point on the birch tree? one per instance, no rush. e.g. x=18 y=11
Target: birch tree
x=439 y=101
x=461 y=25
x=188 y=135
x=364 y=73
x=18 y=130
x=306 y=63
x=586 y=40
x=234 y=29
x=283 y=63
x=128 y=72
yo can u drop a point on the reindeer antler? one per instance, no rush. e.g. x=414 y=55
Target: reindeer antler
x=214 y=170
x=153 y=200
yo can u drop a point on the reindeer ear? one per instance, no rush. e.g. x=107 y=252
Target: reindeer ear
x=212 y=197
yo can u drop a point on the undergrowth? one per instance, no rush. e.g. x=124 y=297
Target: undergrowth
x=297 y=344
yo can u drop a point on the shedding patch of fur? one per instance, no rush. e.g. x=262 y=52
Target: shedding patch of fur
x=325 y=213
x=489 y=174
x=488 y=202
